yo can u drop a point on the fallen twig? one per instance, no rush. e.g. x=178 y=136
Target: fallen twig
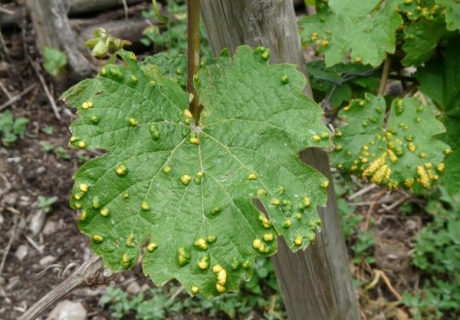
x=17 y=97
x=86 y=274
x=10 y=242
x=45 y=88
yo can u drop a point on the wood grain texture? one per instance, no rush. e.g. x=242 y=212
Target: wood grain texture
x=316 y=284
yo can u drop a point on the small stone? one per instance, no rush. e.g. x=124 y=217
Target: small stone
x=46 y=261
x=133 y=288
x=37 y=222
x=68 y=310
x=21 y=252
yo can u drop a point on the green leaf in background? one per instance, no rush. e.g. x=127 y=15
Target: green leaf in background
x=54 y=60
x=451 y=178
x=184 y=192
x=421 y=39
x=441 y=81
x=402 y=152
x=341 y=80
x=364 y=33
x=452 y=12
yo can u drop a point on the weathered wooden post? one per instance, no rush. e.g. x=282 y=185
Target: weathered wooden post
x=316 y=284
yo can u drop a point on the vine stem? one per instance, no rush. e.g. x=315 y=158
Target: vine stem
x=193 y=54
x=384 y=77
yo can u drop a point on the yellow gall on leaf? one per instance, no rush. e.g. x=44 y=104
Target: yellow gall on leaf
x=447 y=151
x=73 y=139
x=423 y=178
x=252 y=176
x=219 y=288
x=82 y=144
x=287 y=223
x=133 y=122
x=103 y=71
x=121 y=170
x=152 y=247
x=201 y=243
x=133 y=78
x=275 y=201
x=104 y=212
x=428 y=165
x=325 y=184
x=194 y=290
x=306 y=201
x=83 y=187
x=194 y=140
x=222 y=277
x=145 y=206
x=167 y=169
x=130 y=240
x=298 y=216
x=268 y=237
x=411 y=146
x=284 y=79
x=83 y=215
x=298 y=240
x=256 y=243
x=77 y=205
x=422 y=155
x=125 y=261
x=408 y=183
x=338 y=147
x=98 y=238
x=316 y=138
x=185 y=179
x=440 y=167
x=203 y=264
x=261 y=192
x=358 y=60
x=217 y=268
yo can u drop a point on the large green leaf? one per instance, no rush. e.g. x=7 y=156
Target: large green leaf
x=185 y=191
x=342 y=29
x=440 y=79
x=400 y=151
x=452 y=12
x=422 y=37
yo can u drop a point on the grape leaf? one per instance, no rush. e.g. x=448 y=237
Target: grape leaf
x=401 y=152
x=185 y=191
x=451 y=178
x=440 y=79
x=452 y=12
x=365 y=32
x=422 y=37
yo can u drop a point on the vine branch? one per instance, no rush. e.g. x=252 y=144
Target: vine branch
x=86 y=274
x=193 y=54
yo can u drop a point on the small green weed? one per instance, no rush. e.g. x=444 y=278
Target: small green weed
x=49 y=130
x=45 y=203
x=260 y=295
x=59 y=151
x=172 y=37
x=11 y=128
x=54 y=60
x=437 y=253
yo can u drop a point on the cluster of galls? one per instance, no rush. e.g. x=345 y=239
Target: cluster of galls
x=416 y=9
x=378 y=156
